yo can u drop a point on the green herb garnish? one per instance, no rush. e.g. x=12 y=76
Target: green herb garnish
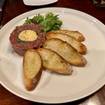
x=49 y=21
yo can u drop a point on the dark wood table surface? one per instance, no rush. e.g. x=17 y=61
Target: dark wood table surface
x=13 y=8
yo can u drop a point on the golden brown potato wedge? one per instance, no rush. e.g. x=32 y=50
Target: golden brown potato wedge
x=53 y=62
x=65 y=51
x=81 y=48
x=31 y=69
x=75 y=34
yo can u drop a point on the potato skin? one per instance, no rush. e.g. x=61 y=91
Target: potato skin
x=80 y=47
x=74 y=34
x=31 y=82
x=67 y=52
x=53 y=62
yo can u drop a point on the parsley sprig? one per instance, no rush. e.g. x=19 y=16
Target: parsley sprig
x=49 y=21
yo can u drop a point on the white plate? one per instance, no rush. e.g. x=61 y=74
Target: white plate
x=57 y=88
x=38 y=2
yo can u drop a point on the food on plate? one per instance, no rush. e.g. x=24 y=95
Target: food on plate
x=49 y=22
x=27 y=36
x=75 y=34
x=32 y=65
x=81 y=48
x=45 y=46
x=66 y=51
x=53 y=62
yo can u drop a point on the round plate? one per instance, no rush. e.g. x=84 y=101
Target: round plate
x=38 y=2
x=54 y=88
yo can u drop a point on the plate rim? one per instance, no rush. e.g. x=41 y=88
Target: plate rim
x=39 y=4
x=101 y=84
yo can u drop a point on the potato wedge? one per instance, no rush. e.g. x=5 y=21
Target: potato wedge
x=53 y=62
x=65 y=51
x=81 y=48
x=75 y=34
x=31 y=69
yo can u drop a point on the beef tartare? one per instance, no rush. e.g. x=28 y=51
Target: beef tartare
x=27 y=36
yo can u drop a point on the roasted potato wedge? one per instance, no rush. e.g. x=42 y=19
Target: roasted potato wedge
x=53 y=62
x=81 y=48
x=65 y=51
x=31 y=69
x=75 y=34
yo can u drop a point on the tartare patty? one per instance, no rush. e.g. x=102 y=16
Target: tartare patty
x=17 y=36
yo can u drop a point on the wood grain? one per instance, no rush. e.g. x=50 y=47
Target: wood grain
x=13 y=8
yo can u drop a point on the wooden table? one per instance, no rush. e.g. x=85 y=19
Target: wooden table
x=13 y=8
